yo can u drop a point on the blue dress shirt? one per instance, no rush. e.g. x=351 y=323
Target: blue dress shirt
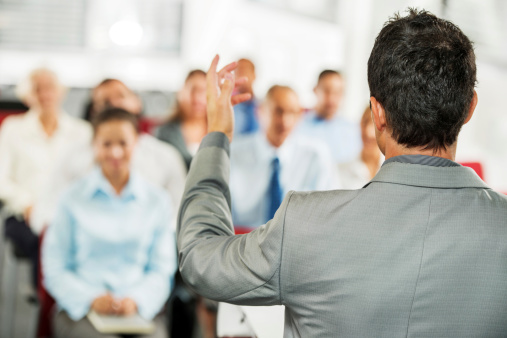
x=100 y=242
x=245 y=117
x=304 y=165
x=341 y=136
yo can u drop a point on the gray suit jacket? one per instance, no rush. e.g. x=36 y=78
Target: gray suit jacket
x=421 y=251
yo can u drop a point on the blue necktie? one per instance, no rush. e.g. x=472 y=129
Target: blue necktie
x=275 y=190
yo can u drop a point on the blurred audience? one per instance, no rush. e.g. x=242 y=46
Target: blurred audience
x=188 y=123
x=357 y=173
x=267 y=164
x=30 y=145
x=159 y=163
x=110 y=247
x=245 y=114
x=325 y=123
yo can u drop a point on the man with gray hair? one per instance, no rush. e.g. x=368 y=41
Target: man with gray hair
x=30 y=146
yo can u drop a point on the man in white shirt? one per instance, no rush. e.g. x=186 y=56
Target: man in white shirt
x=30 y=146
x=324 y=122
x=266 y=165
x=156 y=161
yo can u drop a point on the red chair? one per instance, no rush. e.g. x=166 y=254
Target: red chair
x=147 y=125
x=8 y=108
x=241 y=230
x=476 y=166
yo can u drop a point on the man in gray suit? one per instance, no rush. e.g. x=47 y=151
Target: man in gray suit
x=421 y=251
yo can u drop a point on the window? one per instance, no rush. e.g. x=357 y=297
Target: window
x=319 y=9
x=132 y=26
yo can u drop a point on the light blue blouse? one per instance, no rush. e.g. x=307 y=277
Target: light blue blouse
x=100 y=242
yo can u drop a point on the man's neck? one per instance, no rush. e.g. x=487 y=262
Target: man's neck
x=393 y=149
x=275 y=142
x=324 y=115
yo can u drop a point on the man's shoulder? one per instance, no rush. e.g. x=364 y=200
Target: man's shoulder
x=14 y=125
x=155 y=195
x=150 y=143
x=322 y=199
x=75 y=191
x=169 y=128
x=77 y=123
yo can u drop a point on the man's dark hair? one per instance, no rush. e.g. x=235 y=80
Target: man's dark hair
x=328 y=72
x=114 y=114
x=422 y=70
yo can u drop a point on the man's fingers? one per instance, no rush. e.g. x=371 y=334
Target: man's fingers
x=240 y=81
x=227 y=87
x=236 y=99
x=227 y=69
x=211 y=77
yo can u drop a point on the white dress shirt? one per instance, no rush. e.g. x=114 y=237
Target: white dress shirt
x=304 y=165
x=157 y=162
x=28 y=156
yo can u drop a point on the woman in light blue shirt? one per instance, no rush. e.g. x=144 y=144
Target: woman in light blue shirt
x=110 y=248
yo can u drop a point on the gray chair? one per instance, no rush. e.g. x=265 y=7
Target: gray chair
x=12 y=261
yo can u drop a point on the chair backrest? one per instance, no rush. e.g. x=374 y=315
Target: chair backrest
x=241 y=230
x=8 y=108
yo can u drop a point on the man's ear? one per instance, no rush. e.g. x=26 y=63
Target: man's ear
x=379 y=114
x=473 y=104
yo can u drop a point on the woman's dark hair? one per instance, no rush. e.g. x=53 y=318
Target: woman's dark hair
x=114 y=114
x=177 y=113
x=422 y=71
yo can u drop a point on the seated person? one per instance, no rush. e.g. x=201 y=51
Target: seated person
x=325 y=123
x=110 y=248
x=264 y=167
x=30 y=146
x=267 y=164
x=188 y=123
x=355 y=174
x=245 y=113
x=156 y=161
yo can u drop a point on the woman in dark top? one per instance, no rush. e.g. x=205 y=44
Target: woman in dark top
x=188 y=123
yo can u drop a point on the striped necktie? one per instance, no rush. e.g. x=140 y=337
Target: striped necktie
x=275 y=190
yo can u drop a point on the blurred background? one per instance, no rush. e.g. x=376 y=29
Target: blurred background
x=152 y=44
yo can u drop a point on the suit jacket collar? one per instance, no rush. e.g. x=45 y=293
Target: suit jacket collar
x=429 y=172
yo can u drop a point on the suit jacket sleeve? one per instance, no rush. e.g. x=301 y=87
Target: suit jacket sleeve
x=242 y=269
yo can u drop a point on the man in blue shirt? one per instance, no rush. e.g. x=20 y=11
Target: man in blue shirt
x=267 y=164
x=341 y=136
x=245 y=113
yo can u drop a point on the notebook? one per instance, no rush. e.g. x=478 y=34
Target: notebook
x=134 y=324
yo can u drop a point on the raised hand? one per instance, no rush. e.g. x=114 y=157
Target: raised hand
x=220 y=99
